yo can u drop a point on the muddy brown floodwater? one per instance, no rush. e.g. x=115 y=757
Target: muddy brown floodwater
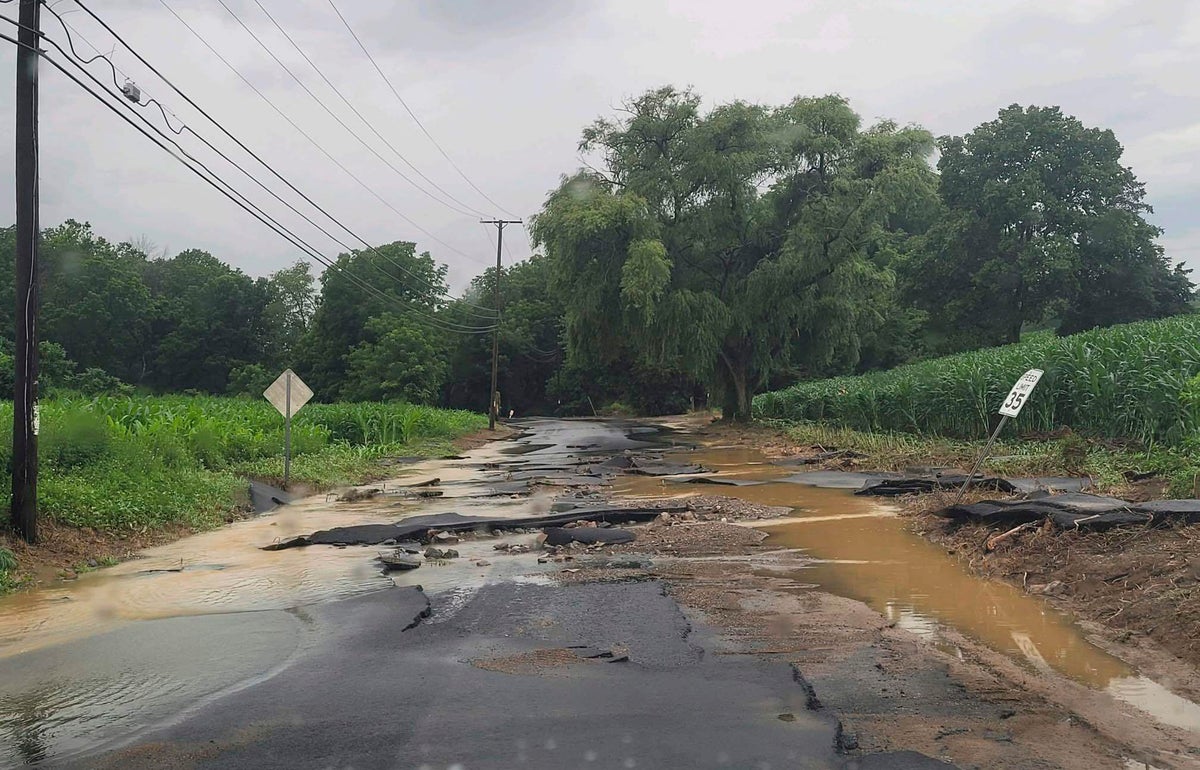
x=225 y=570
x=863 y=551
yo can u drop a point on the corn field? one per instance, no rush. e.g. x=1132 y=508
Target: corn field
x=1137 y=381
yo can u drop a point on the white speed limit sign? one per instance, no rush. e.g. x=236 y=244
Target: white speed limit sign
x=1020 y=393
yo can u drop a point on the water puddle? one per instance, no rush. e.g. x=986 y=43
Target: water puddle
x=225 y=571
x=861 y=550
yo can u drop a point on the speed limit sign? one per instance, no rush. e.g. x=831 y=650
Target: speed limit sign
x=1020 y=393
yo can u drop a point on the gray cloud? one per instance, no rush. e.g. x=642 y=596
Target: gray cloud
x=505 y=87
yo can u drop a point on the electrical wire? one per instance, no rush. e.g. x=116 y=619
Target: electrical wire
x=489 y=316
x=360 y=116
x=228 y=191
x=281 y=114
x=412 y=114
x=257 y=157
x=334 y=115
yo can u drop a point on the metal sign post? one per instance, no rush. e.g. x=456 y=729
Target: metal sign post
x=1010 y=408
x=287 y=430
x=288 y=394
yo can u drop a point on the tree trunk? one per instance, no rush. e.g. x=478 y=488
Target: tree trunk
x=736 y=399
x=1014 y=333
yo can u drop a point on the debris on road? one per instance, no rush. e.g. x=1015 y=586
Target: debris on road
x=1074 y=510
x=436 y=553
x=426 y=528
x=399 y=560
x=356 y=494
x=556 y=536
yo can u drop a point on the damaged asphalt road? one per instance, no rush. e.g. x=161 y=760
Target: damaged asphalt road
x=510 y=679
x=490 y=671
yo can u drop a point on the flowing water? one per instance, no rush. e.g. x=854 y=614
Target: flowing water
x=862 y=550
x=85 y=660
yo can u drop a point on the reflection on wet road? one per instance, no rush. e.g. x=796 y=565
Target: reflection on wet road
x=85 y=660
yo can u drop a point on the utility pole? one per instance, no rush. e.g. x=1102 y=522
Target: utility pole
x=25 y=395
x=495 y=401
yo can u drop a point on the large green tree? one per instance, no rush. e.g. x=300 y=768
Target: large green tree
x=530 y=340
x=1040 y=221
x=210 y=319
x=292 y=303
x=95 y=302
x=399 y=360
x=732 y=244
x=366 y=284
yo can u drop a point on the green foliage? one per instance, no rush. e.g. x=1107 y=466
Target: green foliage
x=117 y=462
x=399 y=360
x=8 y=565
x=73 y=439
x=734 y=244
x=404 y=278
x=1134 y=381
x=1040 y=220
x=530 y=340
x=290 y=308
x=250 y=380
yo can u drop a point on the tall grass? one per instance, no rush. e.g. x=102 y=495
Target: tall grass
x=122 y=462
x=1136 y=381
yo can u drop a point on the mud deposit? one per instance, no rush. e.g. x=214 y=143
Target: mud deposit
x=991 y=637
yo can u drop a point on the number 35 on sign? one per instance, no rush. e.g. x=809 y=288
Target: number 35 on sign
x=1020 y=393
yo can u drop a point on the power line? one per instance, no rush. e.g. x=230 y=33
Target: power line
x=412 y=114
x=235 y=164
x=281 y=114
x=360 y=116
x=332 y=114
x=216 y=182
x=255 y=155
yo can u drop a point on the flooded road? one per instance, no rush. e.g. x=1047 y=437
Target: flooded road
x=90 y=663
x=863 y=551
x=84 y=660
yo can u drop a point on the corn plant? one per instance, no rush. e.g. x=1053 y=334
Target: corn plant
x=1126 y=382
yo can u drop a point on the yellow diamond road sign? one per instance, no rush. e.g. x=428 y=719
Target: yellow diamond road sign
x=278 y=395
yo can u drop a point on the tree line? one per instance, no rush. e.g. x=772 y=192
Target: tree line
x=700 y=254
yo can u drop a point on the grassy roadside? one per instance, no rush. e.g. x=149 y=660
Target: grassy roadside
x=118 y=475
x=1163 y=471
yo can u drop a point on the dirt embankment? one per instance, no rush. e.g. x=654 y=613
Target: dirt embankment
x=1135 y=581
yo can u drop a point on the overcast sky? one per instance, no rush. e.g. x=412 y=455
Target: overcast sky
x=505 y=87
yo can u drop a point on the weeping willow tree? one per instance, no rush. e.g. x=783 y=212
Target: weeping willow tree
x=731 y=244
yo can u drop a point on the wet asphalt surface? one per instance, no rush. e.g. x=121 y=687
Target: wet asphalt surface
x=401 y=679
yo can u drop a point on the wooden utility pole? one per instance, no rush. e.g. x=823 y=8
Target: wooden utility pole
x=494 y=399
x=25 y=395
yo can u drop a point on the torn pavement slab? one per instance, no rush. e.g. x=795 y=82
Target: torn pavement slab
x=418 y=527
x=587 y=535
x=1074 y=510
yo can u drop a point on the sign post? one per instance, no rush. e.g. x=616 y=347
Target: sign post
x=1010 y=408
x=288 y=394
